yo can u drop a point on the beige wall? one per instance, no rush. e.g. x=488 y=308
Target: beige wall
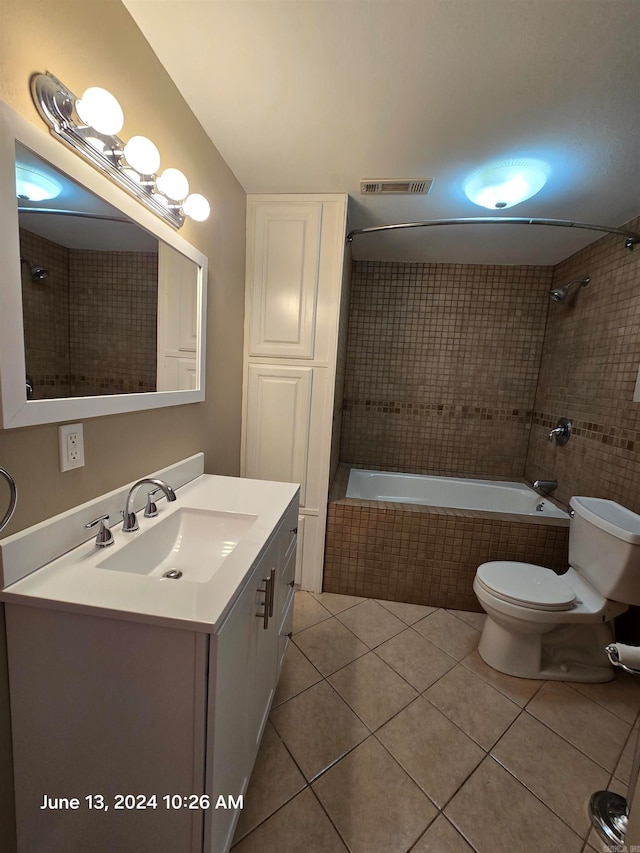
x=86 y=42
x=95 y=42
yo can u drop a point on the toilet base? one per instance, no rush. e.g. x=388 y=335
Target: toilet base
x=553 y=652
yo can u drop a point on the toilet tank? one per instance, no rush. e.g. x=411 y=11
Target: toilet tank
x=604 y=546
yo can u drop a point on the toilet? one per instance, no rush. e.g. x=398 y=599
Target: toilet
x=548 y=626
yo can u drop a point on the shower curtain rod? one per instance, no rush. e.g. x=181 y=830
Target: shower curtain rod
x=631 y=237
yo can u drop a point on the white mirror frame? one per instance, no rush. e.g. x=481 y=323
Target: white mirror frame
x=16 y=410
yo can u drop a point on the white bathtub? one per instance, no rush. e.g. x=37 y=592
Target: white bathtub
x=450 y=492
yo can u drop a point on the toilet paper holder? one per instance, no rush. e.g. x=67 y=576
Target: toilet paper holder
x=610 y=812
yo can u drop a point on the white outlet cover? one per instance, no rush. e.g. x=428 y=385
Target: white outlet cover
x=67 y=463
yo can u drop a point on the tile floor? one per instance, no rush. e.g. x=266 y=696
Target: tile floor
x=389 y=733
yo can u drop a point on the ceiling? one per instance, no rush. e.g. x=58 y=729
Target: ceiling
x=315 y=95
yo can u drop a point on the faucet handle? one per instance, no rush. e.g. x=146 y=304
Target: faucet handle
x=151 y=509
x=104 y=537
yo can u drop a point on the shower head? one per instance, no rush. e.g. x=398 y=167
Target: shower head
x=564 y=294
x=37 y=272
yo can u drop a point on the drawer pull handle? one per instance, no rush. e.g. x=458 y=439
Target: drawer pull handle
x=272 y=586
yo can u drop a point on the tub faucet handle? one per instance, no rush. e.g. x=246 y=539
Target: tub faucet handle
x=561 y=432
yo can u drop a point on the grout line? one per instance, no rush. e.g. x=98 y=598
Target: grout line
x=487 y=752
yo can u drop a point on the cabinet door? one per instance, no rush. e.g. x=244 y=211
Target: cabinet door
x=277 y=418
x=241 y=690
x=264 y=643
x=283 y=273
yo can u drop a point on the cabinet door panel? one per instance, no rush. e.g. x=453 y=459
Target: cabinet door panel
x=278 y=407
x=284 y=279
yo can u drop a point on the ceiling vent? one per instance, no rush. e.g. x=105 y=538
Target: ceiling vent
x=417 y=186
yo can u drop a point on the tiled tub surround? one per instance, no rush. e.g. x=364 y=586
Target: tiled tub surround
x=427 y=555
x=588 y=373
x=442 y=365
x=389 y=733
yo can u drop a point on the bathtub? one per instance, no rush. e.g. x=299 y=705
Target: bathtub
x=419 y=539
x=450 y=492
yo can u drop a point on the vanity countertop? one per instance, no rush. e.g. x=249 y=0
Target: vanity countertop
x=74 y=581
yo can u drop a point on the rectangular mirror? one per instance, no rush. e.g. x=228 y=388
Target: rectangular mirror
x=102 y=308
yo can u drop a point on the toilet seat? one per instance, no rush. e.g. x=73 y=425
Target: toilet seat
x=526 y=584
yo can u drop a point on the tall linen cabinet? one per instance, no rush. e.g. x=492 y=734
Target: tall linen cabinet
x=295 y=267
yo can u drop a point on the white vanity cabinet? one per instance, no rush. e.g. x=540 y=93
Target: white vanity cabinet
x=157 y=722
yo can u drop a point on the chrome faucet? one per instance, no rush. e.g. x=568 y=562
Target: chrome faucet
x=130 y=521
x=545 y=486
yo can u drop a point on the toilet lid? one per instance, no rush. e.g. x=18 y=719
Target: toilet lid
x=527 y=584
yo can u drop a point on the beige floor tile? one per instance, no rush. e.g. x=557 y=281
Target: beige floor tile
x=497 y=814
x=556 y=772
x=588 y=726
x=415 y=659
x=476 y=620
x=335 y=602
x=372 y=689
x=624 y=765
x=441 y=837
x=620 y=696
x=300 y=825
x=307 y=611
x=329 y=645
x=478 y=708
x=371 y=623
x=519 y=690
x=274 y=781
x=449 y=633
x=317 y=727
x=297 y=674
x=435 y=753
x=375 y=806
x=409 y=613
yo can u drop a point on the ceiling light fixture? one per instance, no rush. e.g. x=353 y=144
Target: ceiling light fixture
x=33 y=186
x=90 y=125
x=500 y=185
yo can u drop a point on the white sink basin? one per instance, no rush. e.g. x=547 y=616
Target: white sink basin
x=193 y=542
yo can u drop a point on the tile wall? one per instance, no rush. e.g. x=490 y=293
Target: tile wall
x=90 y=327
x=588 y=373
x=45 y=308
x=442 y=365
x=113 y=322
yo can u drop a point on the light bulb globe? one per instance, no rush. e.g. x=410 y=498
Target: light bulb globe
x=99 y=109
x=197 y=207
x=142 y=155
x=173 y=184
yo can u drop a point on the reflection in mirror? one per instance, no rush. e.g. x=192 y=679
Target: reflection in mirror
x=107 y=307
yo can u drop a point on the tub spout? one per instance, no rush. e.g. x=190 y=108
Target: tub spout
x=545 y=486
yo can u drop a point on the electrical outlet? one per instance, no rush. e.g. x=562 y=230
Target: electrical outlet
x=71 y=446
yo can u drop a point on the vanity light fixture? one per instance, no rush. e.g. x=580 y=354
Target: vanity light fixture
x=500 y=185
x=90 y=125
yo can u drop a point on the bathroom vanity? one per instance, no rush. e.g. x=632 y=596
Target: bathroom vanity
x=138 y=701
